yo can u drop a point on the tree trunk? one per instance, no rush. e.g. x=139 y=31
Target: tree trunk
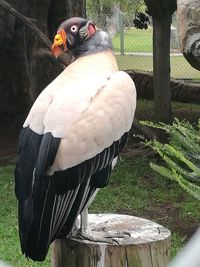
x=147 y=245
x=181 y=91
x=76 y=8
x=161 y=67
x=188 y=13
x=26 y=65
x=161 y=11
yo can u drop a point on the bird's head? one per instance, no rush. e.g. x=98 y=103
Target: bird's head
x=72 y=33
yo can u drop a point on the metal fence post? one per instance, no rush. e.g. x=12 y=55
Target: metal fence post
x=121 y=32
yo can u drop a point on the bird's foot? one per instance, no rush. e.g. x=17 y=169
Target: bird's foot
x=114 y=237
x=107 y=237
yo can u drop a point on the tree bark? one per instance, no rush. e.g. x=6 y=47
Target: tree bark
x=181 y=91
x=161 y=67
x=147 y=246
x=188 y=13
x=27 y=66
x=161 y=12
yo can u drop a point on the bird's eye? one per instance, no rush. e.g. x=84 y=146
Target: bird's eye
x=74 y=28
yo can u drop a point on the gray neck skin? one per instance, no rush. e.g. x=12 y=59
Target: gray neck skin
x=98 y=42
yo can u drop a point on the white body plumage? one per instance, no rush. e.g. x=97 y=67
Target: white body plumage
x=92 y=110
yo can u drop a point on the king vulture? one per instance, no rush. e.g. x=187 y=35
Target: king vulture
x=75 y=129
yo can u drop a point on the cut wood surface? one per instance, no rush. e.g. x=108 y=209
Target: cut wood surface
x=147 y=246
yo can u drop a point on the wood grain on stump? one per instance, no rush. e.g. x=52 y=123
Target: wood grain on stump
x=147 y=246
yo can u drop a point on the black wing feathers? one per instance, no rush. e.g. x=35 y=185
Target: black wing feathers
x=100 y=179
x=29 y=144
x=25 y=218
x=34 y=150
x=47 y=154
x=58 y=199
x=68 y=179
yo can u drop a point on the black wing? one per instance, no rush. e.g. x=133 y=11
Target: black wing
x=49 y=205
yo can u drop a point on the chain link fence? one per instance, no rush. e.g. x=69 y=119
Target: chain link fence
x=133 y=47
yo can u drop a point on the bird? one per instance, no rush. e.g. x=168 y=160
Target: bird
x=73 y=133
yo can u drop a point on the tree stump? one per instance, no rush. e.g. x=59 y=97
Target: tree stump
x=147 y=246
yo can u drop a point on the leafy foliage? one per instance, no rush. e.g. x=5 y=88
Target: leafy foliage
x=181 y=155
x=105 y=6
x=141 y=21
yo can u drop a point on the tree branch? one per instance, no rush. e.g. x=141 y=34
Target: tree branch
x=63 y=59
x=188 y=16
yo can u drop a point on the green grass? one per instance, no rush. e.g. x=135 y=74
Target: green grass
x=135 y=189
x=135 y=62
x=180 y=68
x=140 y=41
x=134 y=41
x=177 y=241
x=188 y=111
x=9 y=241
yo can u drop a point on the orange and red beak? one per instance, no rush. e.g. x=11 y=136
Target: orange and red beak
x=59 y=45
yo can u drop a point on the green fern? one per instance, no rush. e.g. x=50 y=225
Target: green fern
x=181 y=155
